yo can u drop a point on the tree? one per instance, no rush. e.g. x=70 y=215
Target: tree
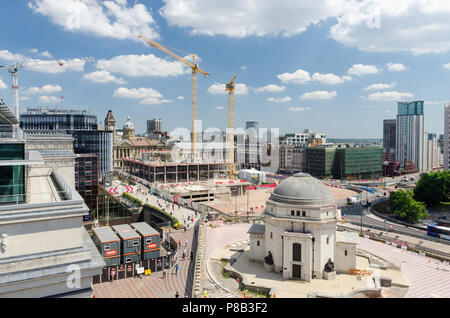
x=404 y=206
x=433 y=188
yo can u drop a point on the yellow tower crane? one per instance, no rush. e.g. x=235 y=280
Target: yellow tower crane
x=230 y=134
x=195 y=69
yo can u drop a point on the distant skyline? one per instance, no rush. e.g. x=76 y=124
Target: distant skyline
x=338 y=67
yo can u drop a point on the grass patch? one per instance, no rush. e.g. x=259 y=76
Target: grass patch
x=225 y=274
x=256 y=294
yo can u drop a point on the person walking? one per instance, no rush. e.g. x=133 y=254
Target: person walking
x=177 y=295
x=164 y=272
x=179 y=243
x=176 y=270
x=192 y=255
x=187 y=242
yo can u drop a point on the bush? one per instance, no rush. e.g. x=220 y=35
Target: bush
x=433 y=188
x=404 y=206
x=174 y=221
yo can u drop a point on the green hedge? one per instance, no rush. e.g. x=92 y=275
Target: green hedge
x=175 y=223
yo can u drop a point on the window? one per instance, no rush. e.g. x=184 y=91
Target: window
x=128 y=259
x=106 y=247
x=257 y=244
x=345 y=252
x=271 y=235
x=303 y=213
x=135 y=243
x=328 y=240
x=298 y=213
x=296 y=252
x=148 y=240
x=327 y=213
x=292 y=212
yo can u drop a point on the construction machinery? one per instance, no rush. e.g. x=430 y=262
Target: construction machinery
x=14 y=70
x=230 y=131
x=195 y=69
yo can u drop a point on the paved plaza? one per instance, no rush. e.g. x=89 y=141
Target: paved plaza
x=154 y=285
x=425 y=277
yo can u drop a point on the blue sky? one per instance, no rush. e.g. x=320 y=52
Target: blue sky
x=328 y=66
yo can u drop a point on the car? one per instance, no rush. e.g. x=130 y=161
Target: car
x=379 y=195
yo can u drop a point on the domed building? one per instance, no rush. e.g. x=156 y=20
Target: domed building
x=128 y=145
x=298 y=238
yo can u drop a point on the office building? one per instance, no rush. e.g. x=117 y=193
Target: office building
x=154 y=125
x=251 y=127
x=79 y=123
x=389 y=135
x=410 y=133
x=446 y=139
x=87 y=180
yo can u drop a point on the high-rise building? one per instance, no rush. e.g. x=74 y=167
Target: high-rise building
x=410 y=133
x=80 y=124
x=252 y=128
x=446 y=142
x=154 y=125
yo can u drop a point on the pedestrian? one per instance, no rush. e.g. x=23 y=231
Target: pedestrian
x=192 y=255
x=177 y=295
x=204 y=293
x=185 y=229
x=187 y=242
x=184 y=252
x=179 y=243
x=164 y=272
x=176 y=270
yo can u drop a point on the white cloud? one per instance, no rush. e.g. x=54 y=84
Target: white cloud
x=330 y=78
x=389 y=96
x=34 y=51
x=46 y=54
x=12 y=57
x=112 y=19
x=440 y=102
x=44 y=66
x=24 y=98
x=319 y=95
x=189 y=58
x=46 y=89
x=217 y=88
x=243 y=67
x=380 y=86
x=2 y=84
x=48 y=99
x=361 y=69
x=147 y=96
x=396 y=67
x=142 y=65
x=446 y=66
x=298 y=77
x=180 y=97
x=272 y=88
x=242 y=18
x=417 y=26
x=280 y=100
x=298 y=109
x=103 y=77
x=220 y=108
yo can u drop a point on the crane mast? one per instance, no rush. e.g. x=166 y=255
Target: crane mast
x=195 y=69
x=230 y=133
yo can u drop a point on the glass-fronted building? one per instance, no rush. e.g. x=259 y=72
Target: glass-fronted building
x=12 y=177
x=359 y=163
x=79 y=123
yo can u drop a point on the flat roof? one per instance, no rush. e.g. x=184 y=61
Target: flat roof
x=125 y=232
x=144 y=229
x=105 y=234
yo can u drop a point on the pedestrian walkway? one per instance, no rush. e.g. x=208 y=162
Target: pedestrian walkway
x=427 y=277
x=154 y=285
x=184 y=215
